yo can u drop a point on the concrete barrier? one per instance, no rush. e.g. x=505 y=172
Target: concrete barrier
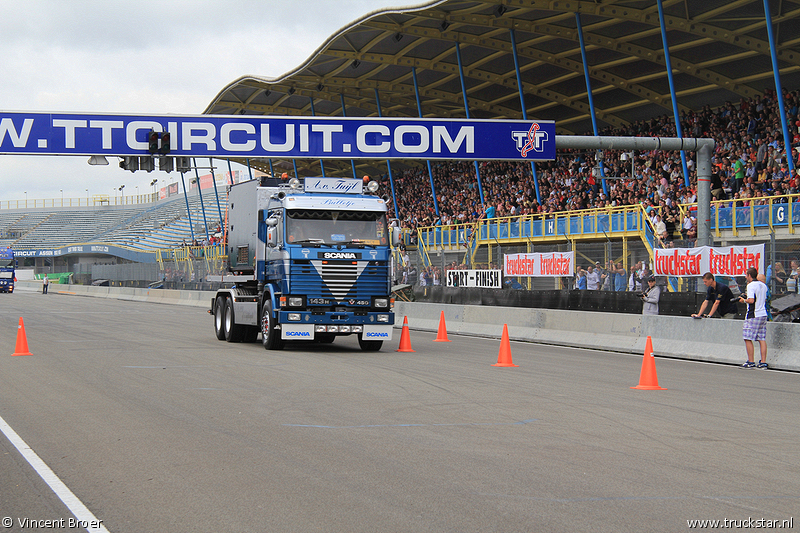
x=714 y=340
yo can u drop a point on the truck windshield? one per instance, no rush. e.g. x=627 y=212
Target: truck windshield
x=5 y=262
x=311 y=226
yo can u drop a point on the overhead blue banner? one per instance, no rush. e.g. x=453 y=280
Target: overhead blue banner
x=277 y=137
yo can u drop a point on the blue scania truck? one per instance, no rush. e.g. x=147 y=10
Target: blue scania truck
x=6 y=270
x=309 y=260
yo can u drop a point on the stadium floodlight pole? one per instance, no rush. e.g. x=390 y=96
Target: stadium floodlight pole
x=703 y=147
x=188 y=211
x=314 y=114
x=388 y=162
x=678 y=129
x=216 y=192
x=200 y=192
x=419 y=110
x=344 y=114
x=230 y=172
x=466 y=108
x=525 y=111
x=590 y=96
x=776 y=73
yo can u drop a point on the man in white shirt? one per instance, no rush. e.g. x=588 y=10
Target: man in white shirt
x=755 y=321
x=592 y=278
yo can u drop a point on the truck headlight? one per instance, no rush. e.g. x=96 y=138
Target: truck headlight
x=295 y=301
x=383 y=318
x=344 y=329
x=382 y=303
x=357 y=329
x=294 y=317
x=320 y=328
x=333 y=329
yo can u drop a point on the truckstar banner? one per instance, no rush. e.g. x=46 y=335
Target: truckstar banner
x=279 y=137
x=555 y=264
x=725 y=261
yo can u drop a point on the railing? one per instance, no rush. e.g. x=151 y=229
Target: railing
x=594 y=223
x=93 y=201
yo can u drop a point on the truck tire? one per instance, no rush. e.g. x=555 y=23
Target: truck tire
x=270 y=337
x=369 y=346
x=233 y=332
x=219 y=318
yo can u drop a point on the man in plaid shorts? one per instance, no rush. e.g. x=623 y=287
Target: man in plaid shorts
x=755 y=321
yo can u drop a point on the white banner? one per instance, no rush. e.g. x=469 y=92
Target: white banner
x=485 y=279
x=554 y=264
x=725 y=261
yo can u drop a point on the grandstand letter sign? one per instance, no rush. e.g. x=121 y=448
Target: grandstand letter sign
x=284 y=137
x=536 y=265
x=726 y=261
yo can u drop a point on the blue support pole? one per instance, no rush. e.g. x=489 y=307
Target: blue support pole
x=525 y=111
x=678 y=129
x=188 y=211
x=200 y=191
x=249 y=170
x=216 y=192
x=294 y=164
x=314 y=114
x=787 y=141
x=388 y=163
x=271 y=169
x=589 y=93
x=419 y=110
x=344 y=114
x=230 y=172
x=466 y=108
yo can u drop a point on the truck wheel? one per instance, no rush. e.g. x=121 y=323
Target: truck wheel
x=270 y=337
x=219 y=318
x=233 y=332
x=369 y=346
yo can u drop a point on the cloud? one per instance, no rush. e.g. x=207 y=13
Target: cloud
x=143 y=57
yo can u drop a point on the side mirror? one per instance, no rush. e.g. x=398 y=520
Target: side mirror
x=396 y=234
x=272 y=222
x=272 y=237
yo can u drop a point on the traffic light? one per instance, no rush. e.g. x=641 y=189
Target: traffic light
x=152 y=142
x=129 y=163
x=147 y=163
x=183 y=164
x=165 y=143
x=165 y=164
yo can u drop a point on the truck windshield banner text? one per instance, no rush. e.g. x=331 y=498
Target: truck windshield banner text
x=290 y=137
x=725 y=261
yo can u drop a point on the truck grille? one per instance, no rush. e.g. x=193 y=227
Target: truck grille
x=339 y=279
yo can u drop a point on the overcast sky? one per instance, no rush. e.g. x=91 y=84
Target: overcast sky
x=143 y=57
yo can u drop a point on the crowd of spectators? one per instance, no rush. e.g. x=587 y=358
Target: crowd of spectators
x=749 y=163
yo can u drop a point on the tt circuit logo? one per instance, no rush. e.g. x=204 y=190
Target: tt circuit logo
x=530 y=141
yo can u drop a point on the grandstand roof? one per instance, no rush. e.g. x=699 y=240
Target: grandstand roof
x=719 y=52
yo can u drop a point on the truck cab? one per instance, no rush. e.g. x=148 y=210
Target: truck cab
x=311 y=261
x=6 y=270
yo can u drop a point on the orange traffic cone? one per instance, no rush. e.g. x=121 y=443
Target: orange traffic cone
x=441 y=336
x=504 y=356
x=648 y=379
x=405 y=338
x=22 y=340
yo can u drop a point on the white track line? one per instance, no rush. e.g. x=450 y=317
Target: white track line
x=72 y=502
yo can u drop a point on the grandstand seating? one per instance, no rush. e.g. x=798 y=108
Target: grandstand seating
x=163 y=224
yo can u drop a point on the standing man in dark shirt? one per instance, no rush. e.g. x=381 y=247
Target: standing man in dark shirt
x=721 y=297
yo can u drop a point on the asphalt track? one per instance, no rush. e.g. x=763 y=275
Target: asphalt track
x=156 y=426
